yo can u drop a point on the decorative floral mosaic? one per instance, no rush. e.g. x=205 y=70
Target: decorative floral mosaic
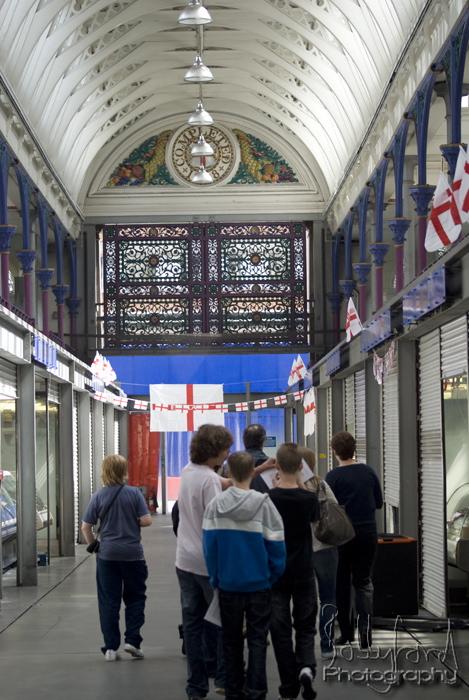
x=260 y=163
x=146 y=165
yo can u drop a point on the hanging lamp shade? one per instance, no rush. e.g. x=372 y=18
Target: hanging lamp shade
x=200 y=117
x=194 y=14
x=201 y=149
x=201 y=177
x=198 y=72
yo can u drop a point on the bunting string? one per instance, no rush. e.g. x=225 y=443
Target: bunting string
x=240 y=406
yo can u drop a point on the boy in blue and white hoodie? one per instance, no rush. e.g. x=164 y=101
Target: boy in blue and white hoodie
x=244 y=550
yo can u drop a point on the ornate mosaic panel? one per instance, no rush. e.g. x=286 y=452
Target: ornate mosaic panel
x=229 y=285
x=165 y=159
x=260 y=163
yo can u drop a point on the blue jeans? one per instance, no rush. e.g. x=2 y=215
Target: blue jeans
x=256 y=606
x=325 y=567
x=196 y=596
x=117 y=581
x=292 y=658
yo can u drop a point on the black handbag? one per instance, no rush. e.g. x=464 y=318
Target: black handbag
x=93 y=548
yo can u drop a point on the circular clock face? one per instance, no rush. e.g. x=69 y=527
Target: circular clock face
x=221 y=165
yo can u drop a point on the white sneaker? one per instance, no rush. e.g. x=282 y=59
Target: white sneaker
x=110 y=655
x=306 y=678
x=134 y=651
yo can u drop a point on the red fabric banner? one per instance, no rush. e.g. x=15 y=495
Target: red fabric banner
x=144 y=454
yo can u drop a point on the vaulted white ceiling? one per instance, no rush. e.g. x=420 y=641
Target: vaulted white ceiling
x=90 y=73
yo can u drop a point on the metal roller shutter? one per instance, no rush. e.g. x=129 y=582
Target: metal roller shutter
x=92 y=481
x=432 y=486
x=349 y=399
x=103 y=421
x=54 y=392
x=117 y=437
x=454 y=348
x=390 y=426
x=360 y=415
x=8 y=378
x=76 y=467
x=330 y=459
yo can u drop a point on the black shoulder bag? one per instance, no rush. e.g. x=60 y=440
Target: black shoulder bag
x=93 y=548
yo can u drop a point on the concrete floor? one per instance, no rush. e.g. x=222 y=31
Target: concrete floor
x=52 y=650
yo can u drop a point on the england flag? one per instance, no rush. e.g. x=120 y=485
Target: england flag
x=309 y=404
x=353 y=325
x=460 y=186
x=180 y=407
x=297 y=372
x=444 y=222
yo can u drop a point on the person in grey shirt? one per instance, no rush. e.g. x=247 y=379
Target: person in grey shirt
x=121 y=571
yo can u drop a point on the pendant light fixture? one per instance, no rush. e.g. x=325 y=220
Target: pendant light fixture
x=201 y=177
x=198 y=72
x=201 y=149
x=195 y=14
x=200 y=116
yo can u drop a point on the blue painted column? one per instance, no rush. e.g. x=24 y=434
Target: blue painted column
x=73 y=302
x=347 y=285
x=400 y=224
x=27 y=255
x=44 y=274
x=6 y=232
x=334 y=296
x=363 y=267
x=378 y=248
x=422 y=193
x=452 y=63
x=60 y=289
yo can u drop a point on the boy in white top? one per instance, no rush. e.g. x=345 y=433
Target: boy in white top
x=199 y=484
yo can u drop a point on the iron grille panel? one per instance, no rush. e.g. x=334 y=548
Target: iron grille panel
x=225 y=285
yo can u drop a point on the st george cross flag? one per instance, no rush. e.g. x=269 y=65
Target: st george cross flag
x=460 y=184
x=353 y=325
x=444 y=222
x=101 y=368
x=185 y=416
x=297 y=372
x=309 y=404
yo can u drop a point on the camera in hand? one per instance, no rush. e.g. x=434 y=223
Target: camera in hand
x=93 y=548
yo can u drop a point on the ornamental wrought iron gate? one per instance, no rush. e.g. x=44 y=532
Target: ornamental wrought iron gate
x=222 y=285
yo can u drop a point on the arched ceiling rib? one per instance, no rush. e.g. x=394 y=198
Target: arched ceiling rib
x=313 y=71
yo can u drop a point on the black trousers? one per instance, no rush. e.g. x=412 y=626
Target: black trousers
x=297 y=599
x=355 y=566
x=234 y=608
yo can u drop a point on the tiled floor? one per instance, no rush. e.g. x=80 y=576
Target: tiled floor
x=52 y=650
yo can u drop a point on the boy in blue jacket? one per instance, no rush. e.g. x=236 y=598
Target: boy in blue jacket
x=244 y=551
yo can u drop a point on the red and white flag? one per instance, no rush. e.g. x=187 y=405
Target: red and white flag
x=280 y=400
x=309 y=404
x=460 y=184
x=444 y=222
x=140 y=405
x=120 y=401
x=101 y=368
x=177 y=407
x=353 y=325
x=297 y=372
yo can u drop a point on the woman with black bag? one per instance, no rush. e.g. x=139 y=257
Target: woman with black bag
x=121 y=570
